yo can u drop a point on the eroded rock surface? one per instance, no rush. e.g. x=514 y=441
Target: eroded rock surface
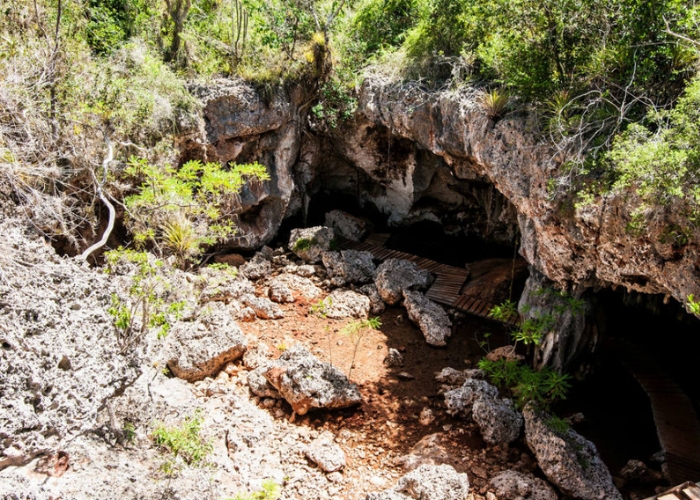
x=200 y=348
x=569 y=460
x=394 y=276
x=347 y=225
x=514 y=485
x=432 y=319
x=350 y=265
x=497 y=419
x=310 y=243
x=307 y=383
x=328 y=455
x=346 y=304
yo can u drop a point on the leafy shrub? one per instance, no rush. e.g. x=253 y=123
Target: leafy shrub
x=185 y=442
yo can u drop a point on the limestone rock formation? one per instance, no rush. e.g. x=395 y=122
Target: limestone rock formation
x=350 y=265
x=328 y=455
x=396 y=275
x=569 y=460
x=346 y=304
x=460 y=401
x=307 y=383
x=498 y=421
x=264 y=308
x=514 y=485
x=310 y=243
x=347 y=226
x=376 y=303
x=256 y=268
x=434 y=482
x=200 y=348
x=432 y=319
x=299 y=286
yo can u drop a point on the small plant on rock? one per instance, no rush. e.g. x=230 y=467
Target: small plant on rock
x=270 y=491
x=494 y=103
x=302 y=244
x=184 y=442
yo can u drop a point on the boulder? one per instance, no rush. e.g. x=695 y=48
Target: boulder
x=197 y=349
x=396 y=275
x=224 y=286
x=259 y=385
x=376 y=304
x=309 y=243
x=346 y=304
x=264 y=308
x=459 y=401
x=307 y=383
x=434 y=482
x=393 y=358
x=497 y=419
x=514 y=485
x=451 y=376
x=280 y=292
x=432 y=319
x=329 y=456
x=347 y=226
x=256 y=268
x=428 y=451
x=297 y=285
x=351 y=266
x=569 y=460
x=256 y=356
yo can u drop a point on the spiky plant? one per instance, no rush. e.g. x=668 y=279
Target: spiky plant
x=494 y=102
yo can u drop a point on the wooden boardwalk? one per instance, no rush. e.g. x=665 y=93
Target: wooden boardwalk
x=677 y=424
x=449 y=282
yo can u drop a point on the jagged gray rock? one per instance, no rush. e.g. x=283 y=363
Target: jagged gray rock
x=346 y=304
x=256 y=356
x=224 y=286
x=569 y=460
x=514 y=485
x=428 y=451
x=497 y=419
x=347 y=225
x=280 y=292
x=376 y=304
x=459 y=401
x=197 y=349
x=328 y=455
x=259 y=385
x=298 y=285
x=396 y=275
x=432 y=319
x=264 y=308
x=307 y=383
x=351 y=266
x=309 y=243
x=434 y=482
x=256 y=268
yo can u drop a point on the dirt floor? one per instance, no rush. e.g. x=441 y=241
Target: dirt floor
x=388 y=423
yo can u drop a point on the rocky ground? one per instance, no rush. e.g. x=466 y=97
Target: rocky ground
x=281 y=385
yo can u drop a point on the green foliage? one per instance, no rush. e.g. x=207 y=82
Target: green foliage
x=504 y=311
x=321 y=307
x=355 y=330
x=180 y=212
x=149 y=299
x=302 y=244
x=185 y=442
x=528 y=385
x=693 y=305
x=559 y=425
x=336 y=103
x=270 y=491
x=494 y=103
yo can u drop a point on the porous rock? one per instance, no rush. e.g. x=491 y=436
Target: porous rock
x=497 y=419
x=298 y=285
x=197 y=349
x=347 y=226
x=256 y=356
x=396 y=275
x=309 y=243
x=280 y=292
x=428 y=451
x=256 y=268
x=514 y=485
x=351 y=265
x=346 y=304
x=459 y=401
x=328 y=455
x=223 y=286
x=264 y=308
x=306 y=383
x=434 y=482
x=376 y=304
x=432 y=319
x=569 y=460
x=259 y=385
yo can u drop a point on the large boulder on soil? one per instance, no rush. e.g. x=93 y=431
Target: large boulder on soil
x=223 y=286
x=432 y=319
x=434 y=482
x=459 y=401
x=396 y=275
x=569 y=460
x=497 y=419
x=347 y=226
x=346 y=304
x=197 y=349
x=298 y=286
x=309 y=243
x=514 y=485
x=306 y=383
x=351 y=266
x=256 y=268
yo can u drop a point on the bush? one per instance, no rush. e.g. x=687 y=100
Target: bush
x=184 y=442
